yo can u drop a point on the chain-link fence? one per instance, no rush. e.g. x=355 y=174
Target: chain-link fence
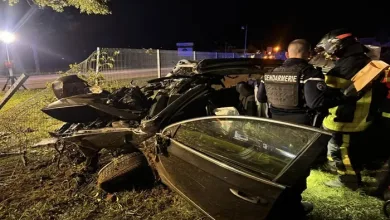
x=137 y=63
x=130 y=64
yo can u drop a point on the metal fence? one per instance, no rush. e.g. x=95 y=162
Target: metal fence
x=119 y=64
x=135 y=63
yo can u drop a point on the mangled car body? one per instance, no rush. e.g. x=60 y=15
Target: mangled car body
x=138 y=113
x=199 y=132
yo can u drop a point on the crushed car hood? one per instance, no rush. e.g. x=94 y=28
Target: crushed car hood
x=86 y=108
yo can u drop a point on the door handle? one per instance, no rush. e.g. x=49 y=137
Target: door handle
x=248 y=198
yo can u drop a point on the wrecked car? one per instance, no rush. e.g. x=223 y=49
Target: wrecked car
x=198 y=133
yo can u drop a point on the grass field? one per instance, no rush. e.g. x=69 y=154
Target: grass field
x=46 y=189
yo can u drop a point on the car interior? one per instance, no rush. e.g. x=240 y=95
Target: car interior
x=240 y=97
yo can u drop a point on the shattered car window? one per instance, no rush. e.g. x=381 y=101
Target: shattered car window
x=258 y=146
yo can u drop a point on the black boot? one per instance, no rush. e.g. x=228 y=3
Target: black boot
x=353 y=182
x=328 y=167
x=307 y=207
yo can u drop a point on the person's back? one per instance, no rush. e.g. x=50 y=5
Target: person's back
x=284 y=88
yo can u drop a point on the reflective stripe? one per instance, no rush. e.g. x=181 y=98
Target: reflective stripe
x=336 y=82
x=330 y=158
x=342 y=36
x=344 y=155
x=312 y=79
x=385 y=114
x=340 y=172
x=386 y=80
x=359 y=122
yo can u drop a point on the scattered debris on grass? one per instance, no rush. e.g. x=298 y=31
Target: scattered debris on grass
x=45 y=191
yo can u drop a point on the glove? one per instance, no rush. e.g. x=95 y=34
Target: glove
x=350 y=91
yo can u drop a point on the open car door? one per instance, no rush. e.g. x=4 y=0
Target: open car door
x=235 y=167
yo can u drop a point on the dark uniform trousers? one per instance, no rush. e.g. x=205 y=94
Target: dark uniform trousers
x=302 y=118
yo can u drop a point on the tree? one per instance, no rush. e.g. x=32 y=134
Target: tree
x=85 y=6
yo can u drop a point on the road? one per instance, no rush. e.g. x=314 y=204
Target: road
x=40 y=81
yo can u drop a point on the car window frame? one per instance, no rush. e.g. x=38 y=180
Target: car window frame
x=288 y=165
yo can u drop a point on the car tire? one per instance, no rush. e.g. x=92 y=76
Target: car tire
x=122 y=172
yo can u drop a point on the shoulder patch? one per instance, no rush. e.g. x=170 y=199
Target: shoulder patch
x=321 y=86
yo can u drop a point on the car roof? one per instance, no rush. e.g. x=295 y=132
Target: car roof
x=233 y=66
x=226 y=66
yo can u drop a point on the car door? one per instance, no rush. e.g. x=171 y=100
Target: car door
x=235 y=167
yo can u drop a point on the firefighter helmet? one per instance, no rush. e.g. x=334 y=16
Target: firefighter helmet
x=335 y=41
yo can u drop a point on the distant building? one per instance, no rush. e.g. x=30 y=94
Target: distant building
x=185 y=49
x=269 y=53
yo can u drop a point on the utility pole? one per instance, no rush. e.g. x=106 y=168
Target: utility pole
x=10 y=70
x=97 y=60
x=246 y=38
x=36 y=59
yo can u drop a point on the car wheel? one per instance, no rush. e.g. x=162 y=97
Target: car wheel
x=123 y=172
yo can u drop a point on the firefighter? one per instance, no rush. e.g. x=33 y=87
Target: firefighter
x=381 y=152
x=385 y=108
x=347 y=121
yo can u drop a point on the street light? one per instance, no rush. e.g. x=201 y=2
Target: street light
x=7 y=38
x=276 y=49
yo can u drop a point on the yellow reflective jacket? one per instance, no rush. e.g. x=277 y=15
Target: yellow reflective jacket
x=349 y=117
x=385 y=108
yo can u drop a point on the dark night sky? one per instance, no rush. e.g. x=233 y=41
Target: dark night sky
x=160 y=24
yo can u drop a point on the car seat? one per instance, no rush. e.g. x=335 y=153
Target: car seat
x=247 y=99
x=159 y=105
x=173 y=98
